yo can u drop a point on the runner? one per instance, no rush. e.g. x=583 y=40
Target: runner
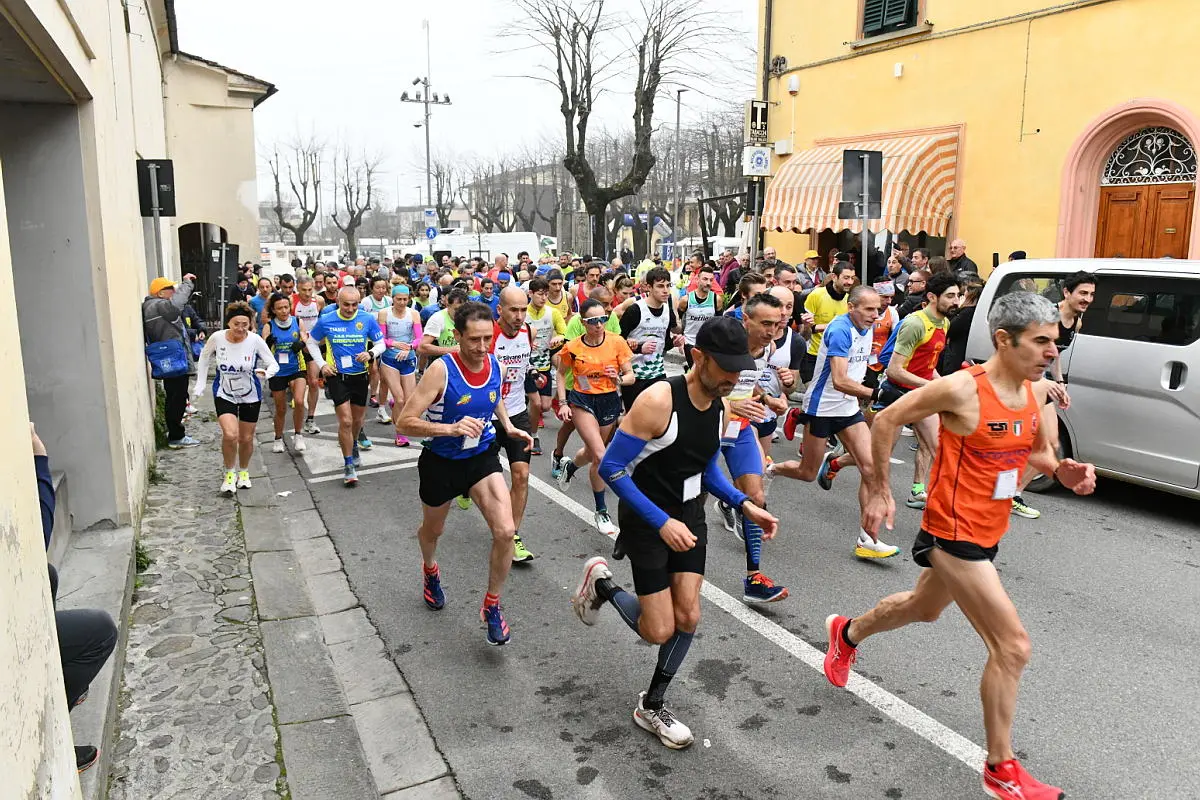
x=881 y=331
x=549 y=331
x=697 y=307
x=306 y=308
x=783 y=367
x=401 y=327
x=242 y=358
x=648 y=327
x=599 y=361
x=557 y=298
x=375 y=304
x=591 y=279
x=824 y=303
x=749 y=285
x=1079 y=290
x=660 y=463
x=761 y=316
x=266 y=287
x=832 y=408
x=284 y=336
x=354 y=336
x=990 y=431
x=512 y=345
x=452 y=406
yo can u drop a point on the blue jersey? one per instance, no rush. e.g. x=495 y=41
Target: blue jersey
x=257 y=303
x=347 y=338
x=283 y=339
x=461 y=397
x=493 y=303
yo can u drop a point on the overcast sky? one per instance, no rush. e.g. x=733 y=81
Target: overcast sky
x=340 y=68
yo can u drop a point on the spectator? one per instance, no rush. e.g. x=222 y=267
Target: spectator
x=955 y=353
x=898 y=269
x=920 y=258
x=769 y=261
x=939 y=266
x=161 y=322
x=1017 y=255
x=916 y=293
x=810 y=276
x=960 y=262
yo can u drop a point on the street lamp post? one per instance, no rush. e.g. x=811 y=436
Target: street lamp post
x=675 y=222
x=428 y=99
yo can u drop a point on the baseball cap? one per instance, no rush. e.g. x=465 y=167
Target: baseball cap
x=348 y=280
x=723 y=339
x=158 y=284
x=811 y=254
x=504 y=276
x=418 y=258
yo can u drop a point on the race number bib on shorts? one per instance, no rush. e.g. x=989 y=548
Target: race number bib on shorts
x=691 y=488
x=1006 y=485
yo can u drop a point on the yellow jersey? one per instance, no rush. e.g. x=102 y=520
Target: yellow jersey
x=823 y=308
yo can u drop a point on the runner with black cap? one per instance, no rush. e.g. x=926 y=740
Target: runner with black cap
x=661 y=462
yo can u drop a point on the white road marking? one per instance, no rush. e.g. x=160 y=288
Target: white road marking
x=895 y=460
x=901 y=712
x=361 y=472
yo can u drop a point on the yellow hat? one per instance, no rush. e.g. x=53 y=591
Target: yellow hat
x=158 y=284
x=811 y=254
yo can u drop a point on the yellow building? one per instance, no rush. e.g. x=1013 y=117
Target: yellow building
x=1058 y=128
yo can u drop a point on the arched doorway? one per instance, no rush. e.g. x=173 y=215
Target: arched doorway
x=1147 y=191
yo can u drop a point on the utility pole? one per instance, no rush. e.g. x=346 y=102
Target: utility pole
x=429 y=99
x=676 y=224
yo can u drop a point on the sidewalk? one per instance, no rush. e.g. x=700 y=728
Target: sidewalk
x=251 y=669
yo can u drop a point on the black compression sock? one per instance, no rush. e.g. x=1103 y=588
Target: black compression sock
x=846 y=634
x=658 y=688
x=606 y=588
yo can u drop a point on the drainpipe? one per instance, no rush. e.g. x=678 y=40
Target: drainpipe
x=768 y=13
x=766 y=66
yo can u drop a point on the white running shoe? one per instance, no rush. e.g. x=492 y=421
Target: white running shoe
x=382 y=417
x=586 y=602
x=663 y=724
x=311 y=428
x=907 y=431
x=917 y=499
x=604 y=523
x=728 y=519
x=243 y=480
x=298 y=443
x=278 y=447
x=866 y=547
x=230 y=484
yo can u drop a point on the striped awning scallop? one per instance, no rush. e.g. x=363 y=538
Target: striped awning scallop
x=918 y=186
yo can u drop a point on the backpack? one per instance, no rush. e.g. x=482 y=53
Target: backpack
x=167 y=359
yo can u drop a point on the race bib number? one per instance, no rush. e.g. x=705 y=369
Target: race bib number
x=732 y=429
x=236 y=385
x=511 y=375
x=872 y=360
x=1006 y=485
x=691 y=488
x=283 y=358
x=346 y=362
x=581 y=383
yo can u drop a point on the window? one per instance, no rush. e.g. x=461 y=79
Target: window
x=1152 y=309
x=1048 y=286
x=885 y=16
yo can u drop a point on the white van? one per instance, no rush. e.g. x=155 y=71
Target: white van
x=490 y=245
x=1135 y=404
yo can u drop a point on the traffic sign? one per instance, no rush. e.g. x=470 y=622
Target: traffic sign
x=756 y=122
x=431 y=232
x=756 y=161
x=431 y=219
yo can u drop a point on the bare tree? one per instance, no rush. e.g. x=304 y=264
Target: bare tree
x=357 y=186
x=586 y=45
x=301 y=165
x=447 y=181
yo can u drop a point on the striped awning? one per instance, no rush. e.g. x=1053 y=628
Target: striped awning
x=918 y=186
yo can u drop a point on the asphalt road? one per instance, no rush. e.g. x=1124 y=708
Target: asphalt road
x=1107 y=587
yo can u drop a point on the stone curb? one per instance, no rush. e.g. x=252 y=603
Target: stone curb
x=349 y=724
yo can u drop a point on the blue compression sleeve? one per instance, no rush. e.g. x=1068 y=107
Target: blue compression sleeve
x=623 y=449
x=715 y=483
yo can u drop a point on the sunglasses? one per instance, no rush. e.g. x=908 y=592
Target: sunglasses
x=596 y=320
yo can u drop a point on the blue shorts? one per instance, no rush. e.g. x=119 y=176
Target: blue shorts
x=766 y=427
x=743 y=456
x=824 y=427
x=606 y=408
x=406 y=366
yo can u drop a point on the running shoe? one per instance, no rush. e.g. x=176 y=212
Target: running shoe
x=916 y=499
x=298 y=443
x=586 y=601
x=278 y=447
x=374 y=402
x=230 y=484
x=825 y=474
x=791 y=421
x=915 y=446
x=179 y=444
x=564 y=472
x=537 y=446
x=86 y=757
x=435 y=598
x=541 y=423
x=604 y=523
x=190 y=409
x=662 y=723
x=356 y=456
x=556 y=468
x=869 y=548
x=1008 y=780
x=521 y=553
x=775 y=437
x=758 y=589
x=383 y=417
x=497 y=628
x=402 y=441
x=310 y=428
x=739 y=526
x=836 y=447
x=907 y=431
x=243 y=479
x=349 y=475
x=728 y=518
x=840 y=657
x=364 y=442
x=1021 y=510
x=463 y=502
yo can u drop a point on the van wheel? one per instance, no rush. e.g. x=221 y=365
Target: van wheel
x=1043 y=483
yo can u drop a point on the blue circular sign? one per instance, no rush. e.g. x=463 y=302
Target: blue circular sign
x=431 y=233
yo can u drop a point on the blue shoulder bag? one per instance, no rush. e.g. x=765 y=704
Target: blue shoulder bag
x=167 y=359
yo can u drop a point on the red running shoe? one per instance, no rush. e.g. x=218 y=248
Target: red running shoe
x=840 y=657
x=790 y=422
x=1008 y=780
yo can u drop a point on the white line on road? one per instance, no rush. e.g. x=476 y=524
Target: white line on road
x=368 y=471
x=901 y=712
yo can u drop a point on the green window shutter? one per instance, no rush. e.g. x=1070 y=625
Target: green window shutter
x=899 y=14
x=873 y=14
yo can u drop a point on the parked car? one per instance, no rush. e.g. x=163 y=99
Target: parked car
x=1135 y=404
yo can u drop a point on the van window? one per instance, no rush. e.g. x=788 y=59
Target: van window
x=1159 y=310
x=1047 y=285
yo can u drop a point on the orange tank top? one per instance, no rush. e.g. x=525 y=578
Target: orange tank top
x=882 y=331
x=974 y=477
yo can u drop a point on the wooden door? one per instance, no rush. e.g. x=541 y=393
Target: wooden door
x=1122 y=221
x=1169 y=220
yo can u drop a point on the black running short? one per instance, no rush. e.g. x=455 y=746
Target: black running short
x=532 y=388
x=808 y=365
x=352 y=389
x=965 y=551
x=824 y=427
x=245 y=412
x=652 y=561
x=443 y=479
x=514 y=448
x=280 y=383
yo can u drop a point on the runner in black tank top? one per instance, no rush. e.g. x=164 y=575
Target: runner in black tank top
x=661 y=462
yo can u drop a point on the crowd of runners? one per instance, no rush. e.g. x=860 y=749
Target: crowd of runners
x=467 y=360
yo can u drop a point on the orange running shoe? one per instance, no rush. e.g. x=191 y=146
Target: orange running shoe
x=840 y=657
x=1008 y=780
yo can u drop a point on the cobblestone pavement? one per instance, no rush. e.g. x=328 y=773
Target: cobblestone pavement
x=196 y=718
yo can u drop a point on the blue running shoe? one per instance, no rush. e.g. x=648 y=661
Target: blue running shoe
x=825 y=474
x=435 y=598
x=758 y=589
x=364 y=441
x=357 y=458
x=497 y=628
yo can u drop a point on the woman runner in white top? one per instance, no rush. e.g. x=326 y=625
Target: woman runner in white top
x=401 y=327
x=242 y=360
